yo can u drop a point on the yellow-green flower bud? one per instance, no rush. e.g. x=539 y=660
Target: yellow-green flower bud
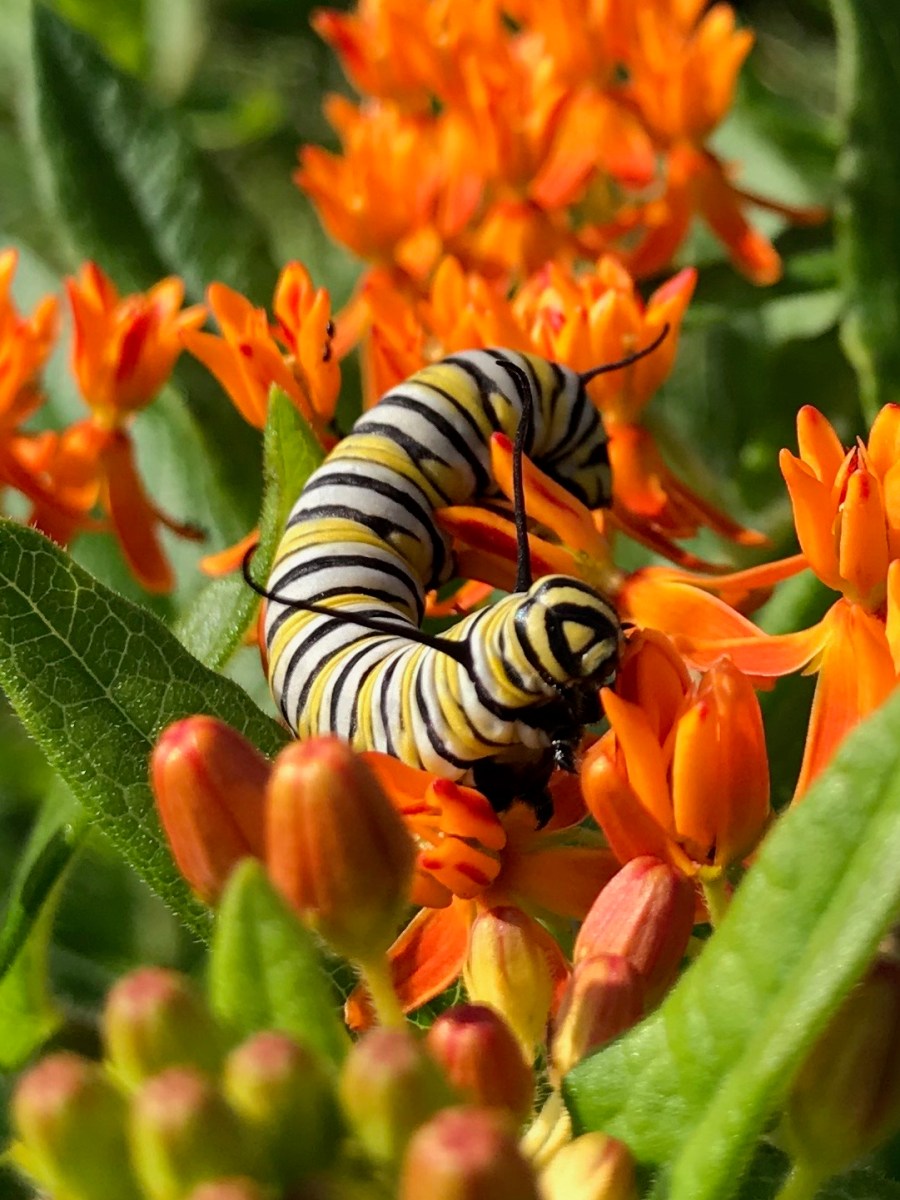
x=482 y=1059
x=389 y=1085
x=183 y=1132
x=286 y=1098
x=71 y=1122
x=156 y=1019
x=508 y=969
x=592 y=1167
x=466 y=1154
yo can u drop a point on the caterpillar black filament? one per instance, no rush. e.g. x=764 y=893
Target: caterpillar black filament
x=505 y=693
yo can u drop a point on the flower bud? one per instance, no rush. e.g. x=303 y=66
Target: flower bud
x=209 y=784
x=592 y=1167
x=230 y=1189
x=71 y=1118
x=646 y=914
x=466 y=1154
x=603 y=998
x=336 y=847
x=184 y=1133
x=285 y=1097
x=388 y=1086
x=508 y=969
x=156 y=1019
x=482 y=1059
x=845 y=1099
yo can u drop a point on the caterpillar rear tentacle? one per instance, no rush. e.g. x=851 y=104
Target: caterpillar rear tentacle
x=503 y=695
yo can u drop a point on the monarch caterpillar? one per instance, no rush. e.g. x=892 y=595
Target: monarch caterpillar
x=503 y=695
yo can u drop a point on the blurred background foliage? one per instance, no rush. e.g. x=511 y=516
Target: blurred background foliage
x=246 y=79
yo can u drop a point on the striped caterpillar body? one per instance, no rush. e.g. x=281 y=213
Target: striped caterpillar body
x=505 y=693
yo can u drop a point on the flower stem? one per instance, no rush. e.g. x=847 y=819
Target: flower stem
x=717 y=895
x=801 y=1184
x=377 y=975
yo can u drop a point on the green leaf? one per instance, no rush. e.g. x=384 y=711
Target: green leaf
x=214 y=626
x=55 y=838
x=266 y=970
x=134 y=191
x=697 y=1081
x=868 y=233
x=28 y=1015
x=95 y=679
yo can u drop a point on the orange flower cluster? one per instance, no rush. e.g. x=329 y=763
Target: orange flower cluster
x=527 y=132
x=86 y=477
x=487 y=884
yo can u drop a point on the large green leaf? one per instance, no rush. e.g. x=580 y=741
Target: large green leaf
x=694 y=1085
x=869 y=179
x=95 y=679
x=213 y=628
x=134 y=191
x=266 y=969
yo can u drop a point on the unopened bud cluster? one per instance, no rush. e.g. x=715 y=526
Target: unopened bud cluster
x=177 y=1110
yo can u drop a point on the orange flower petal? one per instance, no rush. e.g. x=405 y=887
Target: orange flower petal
x=224 y=562
x=856 y=674
x=819 y=446
x=863 y=560
x=134 y=518
x=644 y=762
x=559 y=879
x=814 y=517
x=630 y=830
x=425 y=959
x=546 y=501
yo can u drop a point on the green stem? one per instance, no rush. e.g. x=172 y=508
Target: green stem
x=801 y=1184
x=717 y=896
x=378 y=979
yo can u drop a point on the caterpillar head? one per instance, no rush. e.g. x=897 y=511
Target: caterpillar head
x=570 y=634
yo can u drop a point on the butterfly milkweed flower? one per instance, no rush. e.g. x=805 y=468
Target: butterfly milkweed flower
x=561 y=135
x=849 y=535
x=683 y=773
x=473 y=862
x=25 y=345
x=123 y=351
x=252 y=354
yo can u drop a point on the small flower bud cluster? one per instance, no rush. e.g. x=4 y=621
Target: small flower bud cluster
x=176 y=1111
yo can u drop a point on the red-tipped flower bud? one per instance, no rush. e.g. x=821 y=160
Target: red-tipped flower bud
x=230 y=1189
x=209 y=784
x=389 y=1085
x=466 y=1154
x=183 y=1133
x=508 y=969
x=337 y=848
x=156 y=1019
x=71 y=1120
x=646 y=914
x=593 y=1167
x=846 y=1098
x=482 y=1059
x=286 y=1098
x=603 y=998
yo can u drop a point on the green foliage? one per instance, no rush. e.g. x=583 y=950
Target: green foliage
x=95 y=680
x=696 y=1083
x=869 y=174
x=266 y=970
x=134 y=192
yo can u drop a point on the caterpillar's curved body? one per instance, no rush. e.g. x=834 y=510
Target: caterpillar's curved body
x=362 y=539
